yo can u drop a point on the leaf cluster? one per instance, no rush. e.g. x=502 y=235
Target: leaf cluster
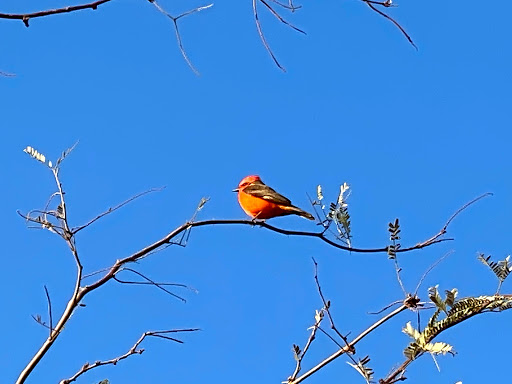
x=337 y=213
x=455 y=312
x=394 y=236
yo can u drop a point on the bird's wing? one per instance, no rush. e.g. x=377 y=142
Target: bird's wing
x=263 y=191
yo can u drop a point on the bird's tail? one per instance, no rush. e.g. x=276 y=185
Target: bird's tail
x=302 y=213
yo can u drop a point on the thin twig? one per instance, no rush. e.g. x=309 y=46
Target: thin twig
x=372 y=6
x=95 y=273
x=452 y=217
x=288 y=6
x=50 y=316
x=39 y=321
x=429 y=269
x=398 y=277
x=110 y=210
x=150 y=282
x=327 y=305
x=278 y=16
x=327 y=309
x=466 y=206
x=318 y=319
x=7 y=74
x=314 y=203
x=262 y=36
x=330 y=337
x=386 y=307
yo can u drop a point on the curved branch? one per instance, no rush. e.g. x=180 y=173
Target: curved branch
x=73 y=302
x=387 y=4
x=320 y=235
x=189 y=225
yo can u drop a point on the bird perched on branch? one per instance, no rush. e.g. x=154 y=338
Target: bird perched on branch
x=261 y=202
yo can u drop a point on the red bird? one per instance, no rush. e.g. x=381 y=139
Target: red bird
x=261 y=202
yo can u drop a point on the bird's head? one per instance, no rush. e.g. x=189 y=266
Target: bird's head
x=247 y=181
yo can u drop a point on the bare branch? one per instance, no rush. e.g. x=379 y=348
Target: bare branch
x=466 y=206
x=262 y=36
x=350 y=346
x=25 y=17
x=178 y=35
x=189 y=225
x=372 y=4
x=134 y=350
x=289 y=7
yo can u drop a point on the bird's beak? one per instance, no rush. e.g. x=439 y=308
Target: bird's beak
x=236 y=190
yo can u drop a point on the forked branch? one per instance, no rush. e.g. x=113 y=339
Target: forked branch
x=350 y=346
x=26 y=17
x=134 y=350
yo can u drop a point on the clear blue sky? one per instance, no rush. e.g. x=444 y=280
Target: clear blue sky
x=415 y=133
